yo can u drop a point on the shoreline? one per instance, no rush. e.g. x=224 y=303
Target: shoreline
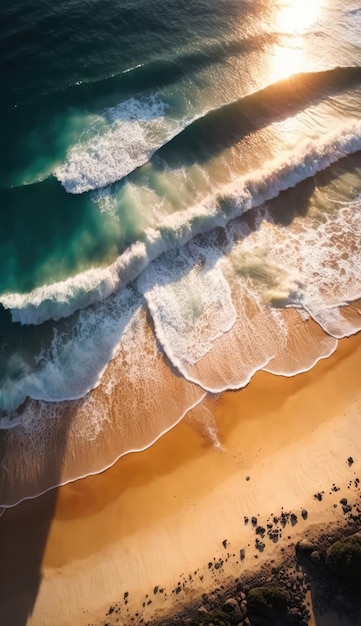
x=154 y=517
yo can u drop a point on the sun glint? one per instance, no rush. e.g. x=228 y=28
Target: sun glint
x=295 y=16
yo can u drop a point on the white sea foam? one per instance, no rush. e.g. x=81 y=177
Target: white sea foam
x=126 y=136
x=75 y=361
x=190 y=303
x=63 y=298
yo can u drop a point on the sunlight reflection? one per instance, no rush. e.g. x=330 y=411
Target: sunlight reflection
x=293 y=18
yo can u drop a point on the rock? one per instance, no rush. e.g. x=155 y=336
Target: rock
x=343 y=501
x=293 y=615
x=242 y=554
x=202 y=609
x=304 y=513
x=303 y=545
x=224 y=542
x=350 y=461
x=267 y=602
x=231 y=606
x=254 y=520
x=315 y=555
x=344 y=557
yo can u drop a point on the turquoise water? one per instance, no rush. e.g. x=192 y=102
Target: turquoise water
x=177 y=181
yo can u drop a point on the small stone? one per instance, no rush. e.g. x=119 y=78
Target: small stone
x=343 y=501
x=224 y=542
x=350 y=461
x=248 y=478
x=231 y=606
x=315 y=555
x=304 y=545
x=293 y=615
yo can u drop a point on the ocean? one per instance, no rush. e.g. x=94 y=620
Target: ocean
x=180 y=185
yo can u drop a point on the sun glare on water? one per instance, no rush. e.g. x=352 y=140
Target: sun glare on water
x=295 y=16
x=292 y=18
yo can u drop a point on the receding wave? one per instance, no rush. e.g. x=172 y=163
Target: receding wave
x=63 y=298
x=140 y=399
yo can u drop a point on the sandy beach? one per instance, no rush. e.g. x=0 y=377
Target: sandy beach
x=160 y=528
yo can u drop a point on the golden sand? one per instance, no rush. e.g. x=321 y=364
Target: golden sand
x=159 y=516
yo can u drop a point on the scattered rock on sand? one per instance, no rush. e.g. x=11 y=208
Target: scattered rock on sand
x=318 y=496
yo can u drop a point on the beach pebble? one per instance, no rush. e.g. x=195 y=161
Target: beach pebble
x=293 y=615
x=304 y=545
x=231 y=606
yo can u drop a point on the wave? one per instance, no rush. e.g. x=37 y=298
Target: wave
x=72 y=361
x=223 y=127
x=140 y=398
x=135 y=129
x=129 y=134
x=63 y=298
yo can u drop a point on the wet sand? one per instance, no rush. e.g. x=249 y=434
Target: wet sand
x=155 y=520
